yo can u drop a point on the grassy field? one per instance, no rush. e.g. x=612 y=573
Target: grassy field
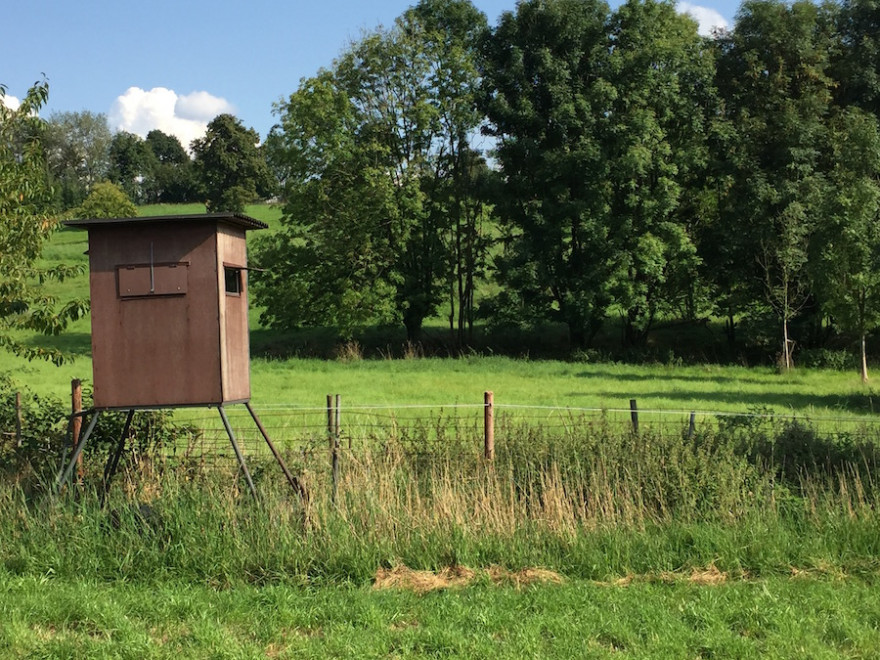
x=766 y=618
x=581 y=539
x=462 y=380
x=447 y=381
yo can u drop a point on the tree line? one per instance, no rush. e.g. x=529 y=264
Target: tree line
x=71 y=165
x=225 y=170
x=571 y=164
x=578 y=164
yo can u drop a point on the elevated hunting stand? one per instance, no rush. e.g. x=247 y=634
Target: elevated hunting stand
x=169 y=321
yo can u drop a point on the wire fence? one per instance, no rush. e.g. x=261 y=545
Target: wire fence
x=461 y=429
x=197 y=437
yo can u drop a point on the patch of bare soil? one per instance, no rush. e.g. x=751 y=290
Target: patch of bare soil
x=404 y=578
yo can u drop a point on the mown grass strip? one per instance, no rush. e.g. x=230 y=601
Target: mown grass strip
x=767 y=618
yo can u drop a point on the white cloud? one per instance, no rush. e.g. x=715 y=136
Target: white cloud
x=706 y=18
x=139 y=111
x=10 y=102
x=201 y=106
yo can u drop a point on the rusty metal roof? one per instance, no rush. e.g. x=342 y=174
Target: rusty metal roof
x=239 y=220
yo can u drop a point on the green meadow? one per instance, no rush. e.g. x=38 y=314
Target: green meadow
x=581 y=539
x=378 y=379
x=768 y=618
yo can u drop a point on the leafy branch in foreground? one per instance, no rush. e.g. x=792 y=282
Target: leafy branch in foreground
x=25 y=225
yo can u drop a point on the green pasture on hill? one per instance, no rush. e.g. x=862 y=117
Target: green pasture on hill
x=454 y=381
x=437 y=382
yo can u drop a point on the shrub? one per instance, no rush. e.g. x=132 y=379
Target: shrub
x=106 y=200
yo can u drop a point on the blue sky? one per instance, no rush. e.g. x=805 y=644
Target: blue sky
x=174 y=65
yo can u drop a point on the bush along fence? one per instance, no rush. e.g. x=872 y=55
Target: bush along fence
x=34 y=432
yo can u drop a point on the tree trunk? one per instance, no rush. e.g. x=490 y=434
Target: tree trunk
x=786 y=346
x=730 y=330
x=413 y=324
x=864 y=360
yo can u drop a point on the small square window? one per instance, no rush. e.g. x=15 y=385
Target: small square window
x=233 y=280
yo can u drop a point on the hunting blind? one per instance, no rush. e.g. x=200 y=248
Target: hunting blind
x=169 y=318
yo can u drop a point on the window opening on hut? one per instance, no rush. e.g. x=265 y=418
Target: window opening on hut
x=233 y=280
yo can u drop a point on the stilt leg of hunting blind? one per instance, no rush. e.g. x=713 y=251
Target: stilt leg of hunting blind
x=238 y=454
x=293 y=481
x=65 y=475
x=113 y=459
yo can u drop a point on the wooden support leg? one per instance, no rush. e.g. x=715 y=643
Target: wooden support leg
x=113 y=459
x=293 y=481
x=238 y=454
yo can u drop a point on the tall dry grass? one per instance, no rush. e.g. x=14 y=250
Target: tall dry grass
x=596 y=505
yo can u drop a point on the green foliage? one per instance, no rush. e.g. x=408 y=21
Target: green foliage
x=544 y=99
x=381 y=220
x=106 y=200
x=43 y=429
x=131 y=164
x=774 y=76
x=846 y=261
x=77 y=148
x=857 y=59
x=600 y=128
x=25 y=224
x=655 y=143
x=155 y=170
x=173 y=176
x=34 y=462
x=230 y=166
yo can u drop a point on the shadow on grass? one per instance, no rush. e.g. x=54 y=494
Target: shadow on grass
x=862 y=403
x=71 y=343
x=713 y=377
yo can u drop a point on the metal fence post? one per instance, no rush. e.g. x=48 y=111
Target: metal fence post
x=489 y=425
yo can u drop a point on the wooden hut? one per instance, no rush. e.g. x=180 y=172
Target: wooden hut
x=169 y=309
x=169 y=321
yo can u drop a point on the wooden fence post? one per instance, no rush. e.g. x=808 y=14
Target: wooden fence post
x=76 y=426
x=18 y=419
x=489 y=426
x=692 y=425
x=634 y=414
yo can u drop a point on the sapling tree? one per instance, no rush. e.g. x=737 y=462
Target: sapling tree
x=846 y=252
x=774 y=77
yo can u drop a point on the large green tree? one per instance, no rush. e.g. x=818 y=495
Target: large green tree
x=776 y=87
x=173 y=177
x=231 y=166
x=77 y=147
x=328 y=265
x=131 y=165
x=545 y=99
x=25 y=224
x=451 y=31
x=366 y=150
x=654 y=144
x=601 y=126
